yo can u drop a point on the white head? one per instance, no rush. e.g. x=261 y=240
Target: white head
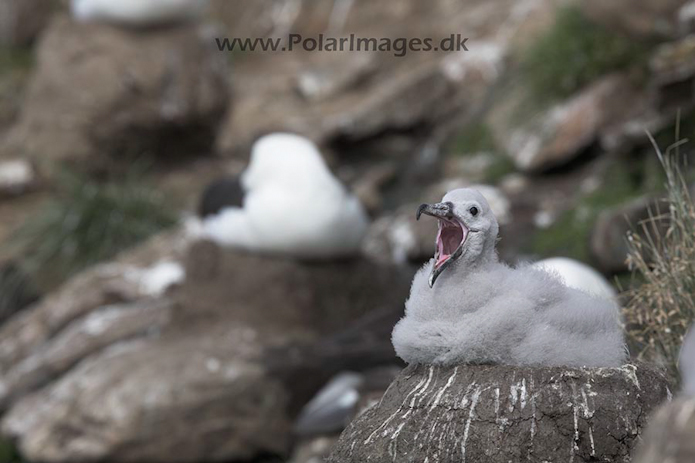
x=467 y=231
x=285 y=160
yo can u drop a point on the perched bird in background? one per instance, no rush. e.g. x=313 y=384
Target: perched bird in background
x=467 y=307
x=138 y=13
x=221 y=194
x=286 y=202
x=329 y=411
x=332 y=408
x=578 y=276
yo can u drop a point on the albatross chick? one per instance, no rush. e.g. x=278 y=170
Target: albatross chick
x=467 y=307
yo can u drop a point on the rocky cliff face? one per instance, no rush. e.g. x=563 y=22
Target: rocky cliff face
x=504 y=413
x=161 y=354
x=121 y=93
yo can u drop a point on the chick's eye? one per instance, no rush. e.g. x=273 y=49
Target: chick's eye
x=473 y=210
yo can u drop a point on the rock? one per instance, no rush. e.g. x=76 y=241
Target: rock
x=193 y=396
x=21 y=21
x=119 y=282
x=686 y=19
x=313 y=450
x=673 y=74
x=92 y=333
x=608 y=241
x=642 y=19
x=328 y=81
x=399 y=238
x=514 y=184
x=558 y=135
x=171 y=341
x=669 y=436
x=368 y=186
x=161 y=92
x=471 y=166
x=349 y=97
x=504 y=413
x=363 y=345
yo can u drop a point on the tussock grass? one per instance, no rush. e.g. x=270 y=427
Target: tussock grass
x=16 y=291
x=89 y=222
x=660 y=310
x=8 y=453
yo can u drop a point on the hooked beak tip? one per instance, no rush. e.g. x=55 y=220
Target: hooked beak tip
x=420 y=210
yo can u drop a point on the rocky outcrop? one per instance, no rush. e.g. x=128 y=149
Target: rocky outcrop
x=669 y=436
x=191 y=396
x=609 y=237
x=166 y=348
x=348 y=97
x=608 y=242
x=558 y=135
x=21 y=21
x=641 y=19
x=673 y=74
x=505 y=413
x=104 y=93
x=399 y=238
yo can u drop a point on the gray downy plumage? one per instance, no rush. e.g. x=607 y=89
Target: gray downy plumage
x=467 y=307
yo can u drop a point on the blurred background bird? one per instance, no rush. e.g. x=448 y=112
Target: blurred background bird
x=286 y=202
x=141 y=14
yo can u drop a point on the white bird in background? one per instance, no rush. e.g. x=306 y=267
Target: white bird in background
x=580 y=276
x=138 y=13
x=286 y=202
x=329 y=410
x=466 y=307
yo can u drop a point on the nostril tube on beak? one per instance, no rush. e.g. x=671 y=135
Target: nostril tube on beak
x=442 y=210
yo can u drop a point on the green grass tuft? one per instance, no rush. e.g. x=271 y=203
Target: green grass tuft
x=16 y=291
x=89 y=222
x=501 y=166
x=8 y=453
x=13 y=59
x=661 y=309
x=473 y=139
x=574 y=53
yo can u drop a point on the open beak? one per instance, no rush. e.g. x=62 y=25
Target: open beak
x=451 y=236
